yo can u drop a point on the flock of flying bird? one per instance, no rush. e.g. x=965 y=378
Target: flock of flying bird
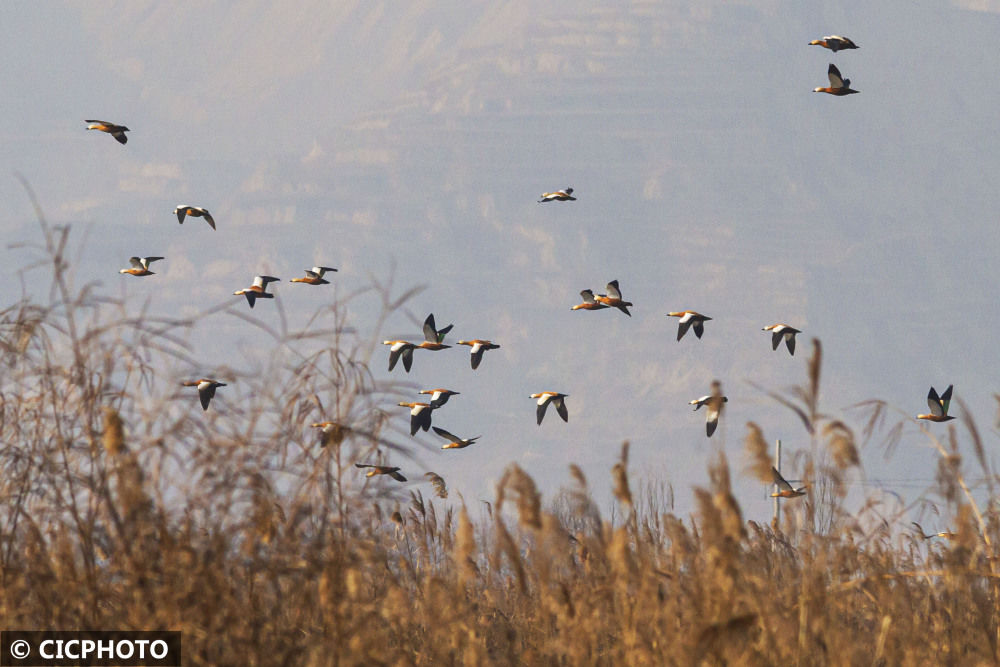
x=139 y=266
x=420 y=412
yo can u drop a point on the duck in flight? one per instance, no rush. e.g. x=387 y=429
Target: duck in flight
x=433 y=336
x=613 y=299
x=785 y=490
x=116 y=131
x=938 y=405
x=477 y=348
x=400 y=349
x=391 y=471
x=140 y=266
x=558 y=195
x=420 y=416
x=946 y=534
x=258 y=290
x=689 y=319
x=206 y=390
x=195 y=212
x=431 y=333
x=713 y=403
x=439 y=396
x=454 y=442
x=329 y=432
x=589 y=302
x=834 y=43
x=839 y=86
x=314 y=276
x=556 y=399
x=779 y=331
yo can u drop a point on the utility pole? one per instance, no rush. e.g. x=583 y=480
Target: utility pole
x=776 y=520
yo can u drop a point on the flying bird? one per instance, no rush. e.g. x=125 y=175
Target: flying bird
x=558 y=195
x=613 y=299
x=785 y=490
x=779 y=331
x=834 y=43
x=420 y=416
x=589 y=302
x=713 y=404
x=140 y=266
x=477 y=348
x=206 y=390
x=439 y=396
x=432 y=334
x=689 y=318
x=454 y=442
x=432 y=337
x=391 y=471
x=116 y=131
x=258 y=290
x=314 y=276
x=938 y=405
x=194 y=212
x=556 y=399
x=946 y=534
x=838 y=85
x=400 y=349
x=329 y=432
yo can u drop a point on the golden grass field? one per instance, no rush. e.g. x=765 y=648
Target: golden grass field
x=121 y=513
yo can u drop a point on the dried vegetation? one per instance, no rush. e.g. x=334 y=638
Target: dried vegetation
x=126 y=508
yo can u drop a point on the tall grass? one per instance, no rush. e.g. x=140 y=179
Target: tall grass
x=121 y=511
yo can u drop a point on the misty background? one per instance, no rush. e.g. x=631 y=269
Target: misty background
x=412 y=140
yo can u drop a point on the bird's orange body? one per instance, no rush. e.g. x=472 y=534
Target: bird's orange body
x=939 y=406
x=314 y=276
x=689 y=319
x=116 y=131
x=477 y=348
x=206 y=389
x=839 y=86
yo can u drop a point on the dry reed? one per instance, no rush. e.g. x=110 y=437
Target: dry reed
x=263 y=547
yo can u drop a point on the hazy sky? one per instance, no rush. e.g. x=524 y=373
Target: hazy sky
x=416 y=138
